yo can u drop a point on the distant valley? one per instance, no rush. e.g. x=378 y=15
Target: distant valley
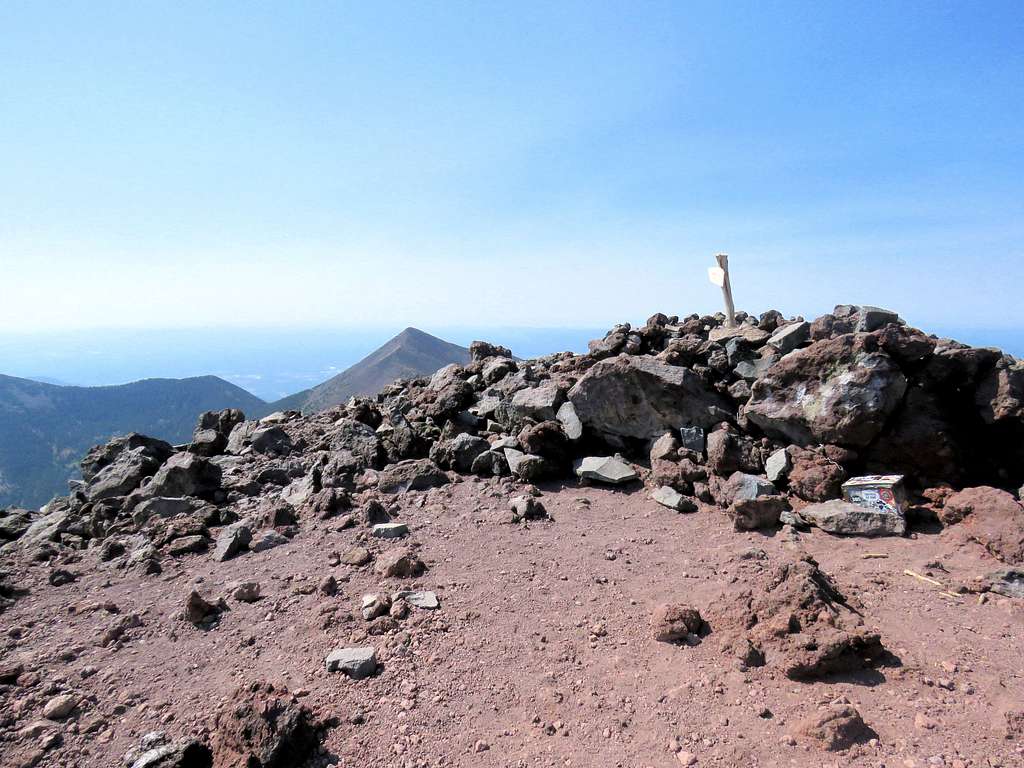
x=45 y=429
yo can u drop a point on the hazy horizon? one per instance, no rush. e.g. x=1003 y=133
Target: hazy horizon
x=274 y=363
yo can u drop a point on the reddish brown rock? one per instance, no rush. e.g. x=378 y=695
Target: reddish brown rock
x=836 y=728
x=262 y=727
x=989 y=516
x=672 y=622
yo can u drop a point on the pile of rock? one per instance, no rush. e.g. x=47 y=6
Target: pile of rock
x=766 y=419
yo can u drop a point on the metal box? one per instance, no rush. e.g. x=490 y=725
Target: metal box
x=883 y=493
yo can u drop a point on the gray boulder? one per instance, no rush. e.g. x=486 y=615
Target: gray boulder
x=232 y=540
x=539 y=403
x=641 y=397
x=571 y=424
x=125 y=472
x=789 y=337
x=671 y=498
x=184 y=474
x=605 y=469
x=410 y=475
x=355 y=445
x=357 y=663
x=841 y=517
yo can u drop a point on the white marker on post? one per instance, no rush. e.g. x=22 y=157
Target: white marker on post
x=720 y=276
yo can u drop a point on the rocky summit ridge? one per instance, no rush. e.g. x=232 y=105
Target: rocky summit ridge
x=451 y=572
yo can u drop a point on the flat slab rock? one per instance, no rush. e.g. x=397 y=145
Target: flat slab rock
x=673 y=499
x=425 y=599
x=357 y=663
x=390 y=530
x=605 y=469
x=841 y=517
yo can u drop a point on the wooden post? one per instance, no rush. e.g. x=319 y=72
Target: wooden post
x=730 y=309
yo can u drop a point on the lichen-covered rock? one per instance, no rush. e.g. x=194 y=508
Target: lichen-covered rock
x=838 y=390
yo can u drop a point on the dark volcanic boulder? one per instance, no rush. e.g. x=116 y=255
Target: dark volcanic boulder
x=210 y=437
x=838 y=390
x=410 y=475
x=641 y=398
x=355 y=445
x=262 y=727
x=102 y=456
x=128 y=468
x=184 y=474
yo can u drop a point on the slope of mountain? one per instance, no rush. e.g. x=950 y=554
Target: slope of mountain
x=410 y=354
x=46 y=429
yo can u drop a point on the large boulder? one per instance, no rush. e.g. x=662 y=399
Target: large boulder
x=120 y=466
x=641 y=398
x=410 y=475
x=355 y=445
x=838 y=390
x=210 y=437
x=538 y=403
x=101 y=456
x=184 y=474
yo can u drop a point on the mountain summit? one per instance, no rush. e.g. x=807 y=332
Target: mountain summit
x=410 y=354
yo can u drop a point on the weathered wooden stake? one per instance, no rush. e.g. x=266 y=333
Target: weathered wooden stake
x=720 y=277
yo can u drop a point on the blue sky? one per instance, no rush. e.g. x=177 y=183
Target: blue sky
x=458 y=164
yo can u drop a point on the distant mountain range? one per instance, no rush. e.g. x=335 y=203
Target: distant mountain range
x=410 y=354
x=45 y=429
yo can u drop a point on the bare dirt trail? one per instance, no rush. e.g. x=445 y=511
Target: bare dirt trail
x=542 y=651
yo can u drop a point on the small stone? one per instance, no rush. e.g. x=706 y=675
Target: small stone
x=390 y=530
x=374 y=606
x=686 y=758
x=356 y=556
x=267 y=539
x=59 y=707
x=673 y=623
x=425 y=600
x=357 y=663
x=61 y=576
x=246 y=592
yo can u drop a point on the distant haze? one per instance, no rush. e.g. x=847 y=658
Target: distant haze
x=270 y=363
x=273 y=364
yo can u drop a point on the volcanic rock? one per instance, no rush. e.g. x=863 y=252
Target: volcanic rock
x=844 y=518
x=357 y=663
x=836 y=728
x=673 y=623
x=605 y=469
x=838 y=390
x=642 y=398
x=263 y=727
x=411 y=475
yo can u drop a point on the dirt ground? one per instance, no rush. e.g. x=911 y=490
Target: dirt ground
x=541 y=653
